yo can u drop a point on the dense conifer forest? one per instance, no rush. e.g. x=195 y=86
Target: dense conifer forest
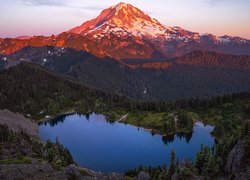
x=32 y=90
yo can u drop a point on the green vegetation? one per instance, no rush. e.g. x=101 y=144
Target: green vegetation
x=231 y=120
x=172 y=165
x=207 y=164
x=18 y=160
x=40 y=95
x=49 y=94
x=160 y=172
x=20 y=148
x=165 y=123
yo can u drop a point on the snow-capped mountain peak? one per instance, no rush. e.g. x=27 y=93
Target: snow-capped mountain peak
x=124 y=32
x=122 y=17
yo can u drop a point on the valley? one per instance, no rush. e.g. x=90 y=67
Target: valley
x=226 y=113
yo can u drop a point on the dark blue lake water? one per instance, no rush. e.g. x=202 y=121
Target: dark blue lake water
x=101 y=146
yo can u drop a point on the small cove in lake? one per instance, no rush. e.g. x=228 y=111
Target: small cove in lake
x=116 y=147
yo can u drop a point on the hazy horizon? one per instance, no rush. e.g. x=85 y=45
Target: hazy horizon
x=47 y=17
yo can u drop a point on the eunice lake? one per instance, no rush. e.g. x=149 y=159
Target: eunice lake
x=116 y=147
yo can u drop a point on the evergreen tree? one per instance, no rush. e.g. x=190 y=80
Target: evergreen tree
x=172 y=165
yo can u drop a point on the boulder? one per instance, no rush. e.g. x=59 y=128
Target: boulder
x=143 y=176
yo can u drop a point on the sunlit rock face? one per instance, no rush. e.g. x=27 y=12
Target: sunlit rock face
x=124 y=32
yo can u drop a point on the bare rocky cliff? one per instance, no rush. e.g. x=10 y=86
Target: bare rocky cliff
x=238 y=163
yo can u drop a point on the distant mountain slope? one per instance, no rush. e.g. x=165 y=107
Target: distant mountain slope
x=197 y=74
x=200 y=59
x=212 y=59
x=104 y=74
x=123 y=32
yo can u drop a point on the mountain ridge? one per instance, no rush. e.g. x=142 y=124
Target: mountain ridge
x=198 y=74
x=200 y=59
x=125 y=32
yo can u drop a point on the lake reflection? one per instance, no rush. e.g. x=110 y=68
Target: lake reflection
x=115 y=147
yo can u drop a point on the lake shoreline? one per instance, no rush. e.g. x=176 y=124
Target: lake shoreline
x=57 y=115
x=149 y=130
x=76 y=131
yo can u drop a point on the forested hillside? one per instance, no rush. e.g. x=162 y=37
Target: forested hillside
x=31 y=89
x=197 y=74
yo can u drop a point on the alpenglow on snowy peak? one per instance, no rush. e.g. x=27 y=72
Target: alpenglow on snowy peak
x=130 y=33
x=124 y=32
x=122 y=16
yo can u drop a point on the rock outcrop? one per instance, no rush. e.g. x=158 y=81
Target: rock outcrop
x=17 y=122
x=143 y=176
x=42 y=170
x=238 y=164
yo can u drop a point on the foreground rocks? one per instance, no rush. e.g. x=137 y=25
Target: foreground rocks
x=143 y=176
x=238 y=162
x=29 y=171
x=17 y=122
x=42 y=170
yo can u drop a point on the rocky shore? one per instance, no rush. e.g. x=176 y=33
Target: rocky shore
x=17 y=122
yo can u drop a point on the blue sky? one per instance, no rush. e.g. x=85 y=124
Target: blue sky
x=46 y=17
